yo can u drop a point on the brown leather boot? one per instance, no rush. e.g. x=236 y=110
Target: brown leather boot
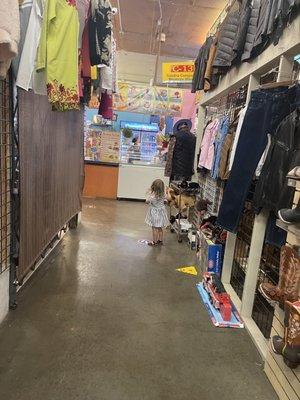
x=289 y=347
x=289 y=279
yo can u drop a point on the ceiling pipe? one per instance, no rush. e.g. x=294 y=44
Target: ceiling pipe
x=160 y=22
x=120 y=19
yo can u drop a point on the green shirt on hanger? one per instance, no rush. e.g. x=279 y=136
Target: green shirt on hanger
x=58 y=54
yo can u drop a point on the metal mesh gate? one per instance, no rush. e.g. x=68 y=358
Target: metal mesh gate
x=5 y=173
x=242 y=248
x=263 y=311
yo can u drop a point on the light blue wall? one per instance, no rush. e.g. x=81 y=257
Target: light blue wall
x=130 y=117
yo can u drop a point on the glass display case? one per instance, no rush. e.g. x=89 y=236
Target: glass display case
x=141 y=148
x=101 y=143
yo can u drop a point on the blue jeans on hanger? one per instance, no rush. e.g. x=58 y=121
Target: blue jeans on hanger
x=267 y=108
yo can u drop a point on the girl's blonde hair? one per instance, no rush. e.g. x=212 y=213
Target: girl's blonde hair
x=158 y=188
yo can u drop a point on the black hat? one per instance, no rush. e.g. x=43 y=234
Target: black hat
x=182 y=122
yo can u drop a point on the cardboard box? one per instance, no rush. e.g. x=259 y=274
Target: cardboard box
x=210 y=255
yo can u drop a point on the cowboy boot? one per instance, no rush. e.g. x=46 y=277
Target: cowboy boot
x=289 y=347
x=289 y=279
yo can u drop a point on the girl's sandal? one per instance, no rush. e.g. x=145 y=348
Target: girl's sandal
x=152 y=244
x=160 y=242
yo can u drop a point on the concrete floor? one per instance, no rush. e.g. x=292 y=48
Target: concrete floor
x=106 y=318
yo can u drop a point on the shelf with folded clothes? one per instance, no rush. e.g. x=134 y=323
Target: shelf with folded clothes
x=257 y=25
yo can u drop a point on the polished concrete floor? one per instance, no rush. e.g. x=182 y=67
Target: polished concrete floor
x=107 y=318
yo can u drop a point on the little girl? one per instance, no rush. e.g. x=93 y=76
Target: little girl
x=157 y=216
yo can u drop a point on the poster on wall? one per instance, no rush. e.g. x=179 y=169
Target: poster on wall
x=110 y=147
x=148 y=100
x=101 y=144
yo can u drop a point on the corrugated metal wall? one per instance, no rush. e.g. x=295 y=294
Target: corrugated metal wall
x=51 y=174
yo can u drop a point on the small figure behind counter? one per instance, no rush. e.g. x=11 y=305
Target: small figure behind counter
x=134 y=151
x=157 y=216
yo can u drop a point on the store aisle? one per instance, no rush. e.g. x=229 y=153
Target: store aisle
x=107 y=318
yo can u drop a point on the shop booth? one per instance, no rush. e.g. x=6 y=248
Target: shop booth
x=140 y=163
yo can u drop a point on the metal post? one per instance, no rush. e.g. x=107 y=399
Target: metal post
x=256 y=247
x=228 y=257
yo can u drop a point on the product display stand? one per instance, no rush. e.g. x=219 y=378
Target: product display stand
x=176 y=226
x=285 y=380
x=281 y=57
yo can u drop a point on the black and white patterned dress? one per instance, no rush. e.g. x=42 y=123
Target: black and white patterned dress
x=157 y=216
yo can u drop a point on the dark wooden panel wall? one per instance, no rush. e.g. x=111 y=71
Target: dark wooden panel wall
x=51 y=173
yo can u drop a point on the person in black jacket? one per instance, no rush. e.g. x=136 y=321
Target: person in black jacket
x=184 y=151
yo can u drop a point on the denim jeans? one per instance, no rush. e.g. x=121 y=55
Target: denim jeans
x=267 y=108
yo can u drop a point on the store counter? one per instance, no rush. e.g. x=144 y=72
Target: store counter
x=135 y=180
x=101 y=180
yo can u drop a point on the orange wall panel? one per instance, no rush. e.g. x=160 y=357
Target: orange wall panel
x=101 y=181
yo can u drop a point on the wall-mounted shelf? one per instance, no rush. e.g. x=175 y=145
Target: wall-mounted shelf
x=294 y=229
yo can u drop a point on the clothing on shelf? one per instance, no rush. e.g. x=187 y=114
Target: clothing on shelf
x=27 y=77
x=272 y=190
x=9 y=33
x=244 y=34
x=263 y=157
x=218 y=144
x=60 y=31
x=226 y=150
x=251 y=31
x=108 y=74
x=106 y=106
x=83 y=13
x=200 y=65
x=237 y=136
x=266 y=110
x=100 y=32
x=207 y=145
x=24 y=11
x=210 y=76
x=240 y=38
x=227 y=37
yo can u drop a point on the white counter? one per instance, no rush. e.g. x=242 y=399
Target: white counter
x=135 y=180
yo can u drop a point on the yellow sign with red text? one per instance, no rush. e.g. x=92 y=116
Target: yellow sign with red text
x=179 y=72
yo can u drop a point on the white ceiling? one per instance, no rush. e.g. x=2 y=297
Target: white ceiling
x=185 y=23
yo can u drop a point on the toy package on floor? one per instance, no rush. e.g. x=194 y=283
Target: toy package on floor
x=210 y=255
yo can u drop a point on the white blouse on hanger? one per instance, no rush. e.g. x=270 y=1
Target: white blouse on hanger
x=27 y=77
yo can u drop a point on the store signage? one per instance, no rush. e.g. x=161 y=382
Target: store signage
x=179 y=72
x=136 y=126
x=147 y=99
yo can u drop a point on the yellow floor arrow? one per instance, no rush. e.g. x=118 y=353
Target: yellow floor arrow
x=188 y=270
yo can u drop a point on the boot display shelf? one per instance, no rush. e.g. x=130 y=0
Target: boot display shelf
x=293 y=229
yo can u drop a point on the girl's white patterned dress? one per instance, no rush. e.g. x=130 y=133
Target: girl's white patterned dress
x=157 y=216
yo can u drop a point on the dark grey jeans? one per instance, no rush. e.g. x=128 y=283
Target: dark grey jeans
x=266 y=110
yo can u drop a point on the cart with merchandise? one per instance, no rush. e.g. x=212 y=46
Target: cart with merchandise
x=180 y=222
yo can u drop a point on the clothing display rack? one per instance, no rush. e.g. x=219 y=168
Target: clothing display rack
x=177 y=224
x=280 y=58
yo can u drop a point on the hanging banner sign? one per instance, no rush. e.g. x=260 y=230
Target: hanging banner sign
x=179 y=72
x=148 y=99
